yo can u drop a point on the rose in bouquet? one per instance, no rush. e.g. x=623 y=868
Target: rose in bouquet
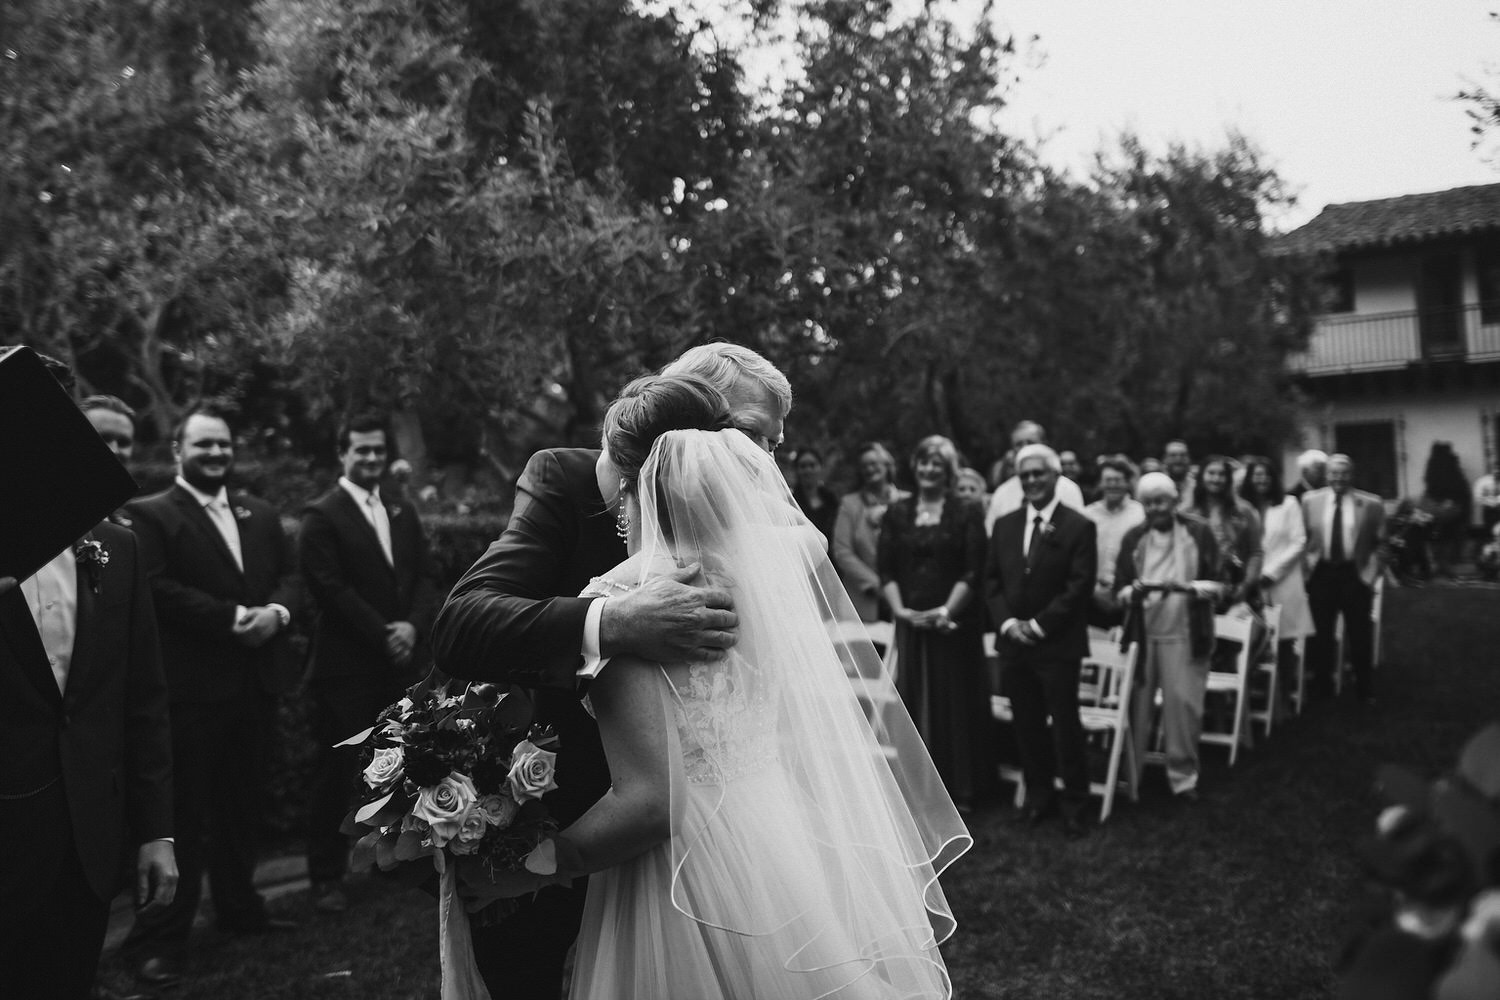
x=454 y=775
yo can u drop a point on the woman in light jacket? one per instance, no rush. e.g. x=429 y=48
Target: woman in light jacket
x=856 y=532
x=1284 y=538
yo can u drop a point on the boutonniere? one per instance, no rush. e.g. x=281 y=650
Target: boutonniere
x=1048 y=530
x=242 y=513
x=396 y=509
x=93 y=557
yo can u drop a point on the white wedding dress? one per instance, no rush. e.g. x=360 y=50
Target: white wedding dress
x=806 y=840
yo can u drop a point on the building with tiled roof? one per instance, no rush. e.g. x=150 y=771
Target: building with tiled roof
x=1408 y=352
x=1407 y=220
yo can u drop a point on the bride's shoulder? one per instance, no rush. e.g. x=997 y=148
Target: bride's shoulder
x=624 y=577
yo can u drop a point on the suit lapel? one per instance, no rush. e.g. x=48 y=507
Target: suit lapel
x=25 y=643
x=362 y=526
x=198 y=517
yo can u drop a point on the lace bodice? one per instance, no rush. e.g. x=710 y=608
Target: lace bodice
x=723 y=711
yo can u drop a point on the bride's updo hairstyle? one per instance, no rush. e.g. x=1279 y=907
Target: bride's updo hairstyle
x=652 y=405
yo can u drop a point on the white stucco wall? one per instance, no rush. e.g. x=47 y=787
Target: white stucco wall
x=1456 y=417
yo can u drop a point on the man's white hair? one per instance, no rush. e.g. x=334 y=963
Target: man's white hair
x=1155 y=484
x=1046 y=454
x=728 y=367
x=1310 y=458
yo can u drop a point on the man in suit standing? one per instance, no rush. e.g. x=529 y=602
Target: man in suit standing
x=223 y=579
x=515 y=617
x=367 y=567
x=1039 y=583
x=88 y=762
x=1344 y=530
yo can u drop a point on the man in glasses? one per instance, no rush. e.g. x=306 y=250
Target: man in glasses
x=1038 y=585
x=1009 y=496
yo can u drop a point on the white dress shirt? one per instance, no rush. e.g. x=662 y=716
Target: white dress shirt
x=216 y=506
x=52 y=596
x=1347 y=500
x=1112 y=526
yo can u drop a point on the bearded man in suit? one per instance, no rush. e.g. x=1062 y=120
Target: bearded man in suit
x=88 y=761
x=223 y=580
x=1345 y=527
x=515 y=617
x=366 y=565
x=1039 y=584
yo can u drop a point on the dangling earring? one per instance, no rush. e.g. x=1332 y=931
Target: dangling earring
x=622 y=520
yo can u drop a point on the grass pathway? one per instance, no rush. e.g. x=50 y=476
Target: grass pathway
x=1246 y=895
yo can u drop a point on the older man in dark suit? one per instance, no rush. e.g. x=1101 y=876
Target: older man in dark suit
x=88 y=762
x=1345 y=527
x=1039 y=583
x=223 y=579
x=516 y=617
x=366 y=565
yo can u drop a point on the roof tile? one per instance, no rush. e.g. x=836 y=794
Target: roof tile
x=1406 y=219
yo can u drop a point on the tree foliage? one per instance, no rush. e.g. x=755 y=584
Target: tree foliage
x=484 y=215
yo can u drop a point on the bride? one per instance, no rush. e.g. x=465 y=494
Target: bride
x=762 y=836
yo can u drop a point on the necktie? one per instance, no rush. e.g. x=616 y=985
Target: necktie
x=218 y=511
x=1336 y=543
x=1036 y=537
x=382 y=523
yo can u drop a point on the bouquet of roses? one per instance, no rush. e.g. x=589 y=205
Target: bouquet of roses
x=454 y=772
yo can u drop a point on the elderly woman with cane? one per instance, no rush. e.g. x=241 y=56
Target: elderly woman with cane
x=1167 y=573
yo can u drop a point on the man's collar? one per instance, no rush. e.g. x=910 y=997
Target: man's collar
x=1047 y=511
x=359 y=493
x=204 y=499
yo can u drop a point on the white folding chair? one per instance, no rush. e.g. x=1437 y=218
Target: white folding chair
x=1000 y=709
x=1235 y=683
x=1265 y=666
x=1110 y=714
x=874 y=693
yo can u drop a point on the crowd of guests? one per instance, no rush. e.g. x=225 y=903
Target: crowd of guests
x=1156 y=547
x=1037 y=553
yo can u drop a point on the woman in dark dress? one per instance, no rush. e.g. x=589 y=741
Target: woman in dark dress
x=930 y=558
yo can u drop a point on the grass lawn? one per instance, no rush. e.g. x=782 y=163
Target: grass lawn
x=1248 y=894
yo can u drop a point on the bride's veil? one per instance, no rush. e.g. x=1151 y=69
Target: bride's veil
x=863 y=823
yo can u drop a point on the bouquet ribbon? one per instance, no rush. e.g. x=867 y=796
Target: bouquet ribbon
x=461 y=979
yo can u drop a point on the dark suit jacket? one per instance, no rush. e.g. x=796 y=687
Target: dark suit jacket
x=1054 y=587
x=515 y=616
x=196 y=586
x=106 y=737
x=358 y=592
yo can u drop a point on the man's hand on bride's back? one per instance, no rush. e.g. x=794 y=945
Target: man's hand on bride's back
x=670 y=619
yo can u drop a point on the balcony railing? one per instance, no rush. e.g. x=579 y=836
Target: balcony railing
x=1377 y=341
